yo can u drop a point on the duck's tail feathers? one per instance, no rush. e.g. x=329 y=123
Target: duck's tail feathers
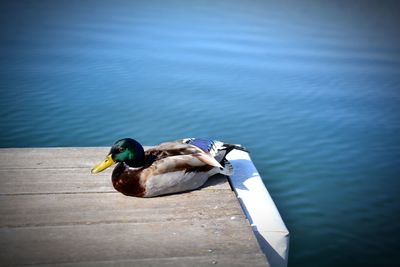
x=222 y=150
x=213 y=146
x=229 y=147
x=227 y=169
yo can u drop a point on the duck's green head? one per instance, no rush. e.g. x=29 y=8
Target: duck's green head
x=125 y=150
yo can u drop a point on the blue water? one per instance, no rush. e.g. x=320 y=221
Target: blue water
x=311 y=88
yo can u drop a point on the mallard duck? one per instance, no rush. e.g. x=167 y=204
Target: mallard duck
x=170 y=167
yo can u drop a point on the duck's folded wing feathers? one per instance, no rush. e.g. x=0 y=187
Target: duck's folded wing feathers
x=171 y=149
x=208 y=159
x=174 y=164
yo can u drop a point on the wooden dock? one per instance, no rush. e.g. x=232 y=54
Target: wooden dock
x=53 y=211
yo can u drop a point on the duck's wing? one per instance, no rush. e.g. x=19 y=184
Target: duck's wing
x=175 y=174
x=187 y=153
x=178 y=167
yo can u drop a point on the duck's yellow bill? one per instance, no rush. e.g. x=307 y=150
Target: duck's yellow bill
x=103 y=165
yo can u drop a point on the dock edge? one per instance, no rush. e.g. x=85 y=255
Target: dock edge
x=261 y=212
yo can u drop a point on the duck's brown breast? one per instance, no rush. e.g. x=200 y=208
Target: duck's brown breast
x=127 y=181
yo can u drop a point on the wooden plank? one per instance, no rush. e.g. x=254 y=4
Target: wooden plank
x=29 y=181
x=231 y=260
x=67 y=209
x=40 y=174
x=25 y=181
x=106 y=242
x=59 y=158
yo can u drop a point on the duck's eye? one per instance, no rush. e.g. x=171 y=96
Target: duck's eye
x=121 y=149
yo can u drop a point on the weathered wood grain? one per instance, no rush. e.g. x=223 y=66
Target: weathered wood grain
x=58 y=158
x=125 y=241
x=67 y=209
x=53 y=211
x=231 y=260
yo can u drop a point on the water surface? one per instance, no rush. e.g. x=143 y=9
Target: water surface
x=312 y=89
